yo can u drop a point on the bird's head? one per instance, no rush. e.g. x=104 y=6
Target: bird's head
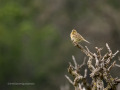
x=74 y=31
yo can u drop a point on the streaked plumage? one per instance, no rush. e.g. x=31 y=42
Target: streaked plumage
x=76 y=37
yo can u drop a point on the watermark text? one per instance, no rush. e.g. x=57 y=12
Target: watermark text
x=20 y=83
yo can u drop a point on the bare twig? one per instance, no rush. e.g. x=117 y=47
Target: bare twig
x=112 y=65
x=117 y=65
x=85 y=73
x=74 y=61
x=69 y=79
x=98 y=72
x=99 y=52
x=108 y=48
x=82 y=63
x=97 y=61
x=115 y=53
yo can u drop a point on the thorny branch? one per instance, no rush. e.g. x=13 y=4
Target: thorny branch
x=100 y=71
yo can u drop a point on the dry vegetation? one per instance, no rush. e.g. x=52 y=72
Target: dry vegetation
x=99 y=71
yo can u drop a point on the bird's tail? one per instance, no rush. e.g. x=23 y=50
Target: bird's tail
x=86 y=41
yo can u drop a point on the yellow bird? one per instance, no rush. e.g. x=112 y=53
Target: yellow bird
x=76 y=37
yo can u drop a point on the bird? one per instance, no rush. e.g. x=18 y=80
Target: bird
x=76 y=37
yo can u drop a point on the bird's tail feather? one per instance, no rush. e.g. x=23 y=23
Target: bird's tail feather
x=86 y=41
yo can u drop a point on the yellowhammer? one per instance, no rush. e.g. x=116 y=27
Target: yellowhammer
x=76 y=37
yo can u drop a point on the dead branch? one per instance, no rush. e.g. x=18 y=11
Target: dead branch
x=99 y=71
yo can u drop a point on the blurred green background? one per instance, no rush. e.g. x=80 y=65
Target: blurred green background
x=35 y=45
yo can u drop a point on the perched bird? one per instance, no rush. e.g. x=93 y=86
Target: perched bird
x=76 y=37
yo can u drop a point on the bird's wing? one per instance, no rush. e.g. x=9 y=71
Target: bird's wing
x=79 y=36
